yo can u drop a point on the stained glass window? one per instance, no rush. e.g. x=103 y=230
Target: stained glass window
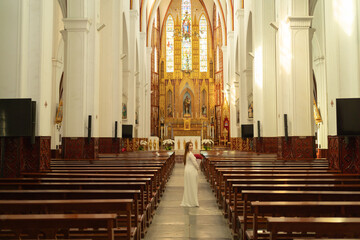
x=170 y=44
x=186 y=49
x=203 y=44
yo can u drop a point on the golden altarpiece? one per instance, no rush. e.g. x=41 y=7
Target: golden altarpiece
x=186 y=97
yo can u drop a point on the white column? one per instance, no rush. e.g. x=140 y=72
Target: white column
x=241 y=74
x=301 y=115
x=148 y=91
x=131 y=103
x=264 y=85
x=40 y=38
x=76 y=54
x=142 y=76
x=231 y=79
x=93 y=65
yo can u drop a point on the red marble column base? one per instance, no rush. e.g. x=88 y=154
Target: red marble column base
x=80 y=148
x=109 y=145
x=322 y=153
x=266 y=145
x=296 y=147
x=344 y=153
x=22 y=156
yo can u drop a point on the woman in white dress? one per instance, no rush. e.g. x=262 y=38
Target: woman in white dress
x=190 y=197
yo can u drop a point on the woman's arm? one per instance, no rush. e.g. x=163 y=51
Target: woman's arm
x=193 y=160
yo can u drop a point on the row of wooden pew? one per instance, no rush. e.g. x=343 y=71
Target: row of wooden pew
x=267 y=198
x=113 y=197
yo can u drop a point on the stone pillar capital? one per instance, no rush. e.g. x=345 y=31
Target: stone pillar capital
x=230 y=35
x=148 y=50
x=134 y=13
x=300 y=21
x=76 y=24
x=239 y=13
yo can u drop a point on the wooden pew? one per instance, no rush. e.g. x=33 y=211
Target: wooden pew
x=224 y=179
x=122 y=207
x=300 y=209
x=264 y=195
x=322 y=226
x=66 y=194
x=50 y=223
x=238 y=188
x=153 y=186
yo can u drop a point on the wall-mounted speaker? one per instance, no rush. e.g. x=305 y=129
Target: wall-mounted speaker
x=258 y=128
x=285 y=127
x=116 y=129
x=89 y=129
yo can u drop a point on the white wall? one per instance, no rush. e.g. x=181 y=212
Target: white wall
x=10 y=48
x=342 y=54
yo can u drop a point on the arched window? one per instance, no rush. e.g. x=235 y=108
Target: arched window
x=155 y=60
x=203 y=44
x=170 y=44
x=186 y=49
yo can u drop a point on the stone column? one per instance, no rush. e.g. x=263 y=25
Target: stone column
x=80 y=60
x=296 y=90
x=231 y=79
x=142 y=87
x=148 y=92
x=264 y=84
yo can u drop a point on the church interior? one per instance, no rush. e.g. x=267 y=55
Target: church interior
x=103 y=95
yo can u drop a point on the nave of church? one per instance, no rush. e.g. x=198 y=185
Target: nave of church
x=98 y=99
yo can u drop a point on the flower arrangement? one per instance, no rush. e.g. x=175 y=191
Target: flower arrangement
x=207 y=143
x=168 y=143
x=143 y=144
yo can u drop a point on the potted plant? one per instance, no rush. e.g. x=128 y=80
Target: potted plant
x=143 y=144
x=207 y=143
x=168 y=143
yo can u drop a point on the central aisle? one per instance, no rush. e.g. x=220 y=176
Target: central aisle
x=174 y=222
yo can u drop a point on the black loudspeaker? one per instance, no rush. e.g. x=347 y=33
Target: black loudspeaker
x=258 y=128
x=116 y=128
x=285 y=127
x=33 y=121
x=89 y=129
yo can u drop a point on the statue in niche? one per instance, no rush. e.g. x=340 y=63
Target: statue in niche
x=203 y=110
x=124 y=111
x=187 y=103
x=169 y=111
x=250 y=111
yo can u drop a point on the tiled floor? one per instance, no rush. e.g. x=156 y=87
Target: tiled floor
x=172 y=221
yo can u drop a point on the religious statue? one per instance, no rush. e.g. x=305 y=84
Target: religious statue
x=186 y=26
x=124 y=111
x=203 y=110
x=187 y=103
x=169 y=111
x=250 y=111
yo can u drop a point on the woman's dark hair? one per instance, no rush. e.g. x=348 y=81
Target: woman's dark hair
x=186 y=151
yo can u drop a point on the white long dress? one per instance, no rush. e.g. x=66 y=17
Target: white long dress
x=190 y=197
